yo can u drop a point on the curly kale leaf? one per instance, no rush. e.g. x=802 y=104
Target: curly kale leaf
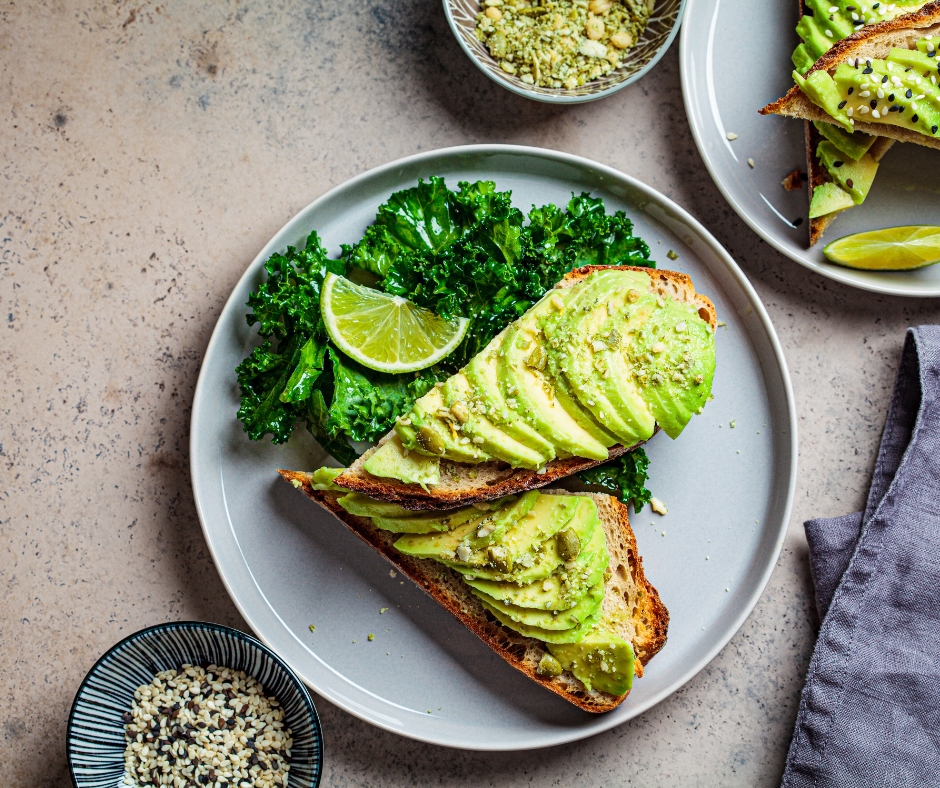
x=584 y=234
x=624 y=477
x=365 y=404
x=277 y=379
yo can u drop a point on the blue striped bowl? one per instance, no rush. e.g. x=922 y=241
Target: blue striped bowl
x=95 y=737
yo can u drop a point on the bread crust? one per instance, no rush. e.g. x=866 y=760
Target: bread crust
x=650 y=617
x=874 y=41
x=494 y=479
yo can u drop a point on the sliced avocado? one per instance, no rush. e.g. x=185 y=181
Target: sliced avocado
x=552 y=620
x=429 y=429
x=602 y=660
x=482 y=375
x=524 y=384
x=829 y=198
x=364 y=506
x=835 y=22
x=547 y=517
x=429 y=522
x=322 y=478
x=673 y=355
x=492 y=528
x=391 y=461
x=853 y=145
x=562 y=589
x=814 y=39
x=573 y=635
x=474 y=424
x=802 y=59
x=573 y=340
x=822 y=91
x=437 y=545
x=543 y=560
x=855 y=177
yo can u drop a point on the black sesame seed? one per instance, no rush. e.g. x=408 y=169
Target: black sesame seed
x=874 y=104
x=850 y=8
x=837 y=163
x=876 y=5
x=933 y=129
x=900 y=109
x=884 y=79
x=932 y=54
x=891 y=97
x=842 y=104
x=909 y=68
x=909 y=94
x=851 y=91
x=894 y=109
x=849 y=183
x=915 y=118
x=868 y=70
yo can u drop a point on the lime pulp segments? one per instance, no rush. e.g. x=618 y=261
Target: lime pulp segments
x=891 y=249
x=385 y=332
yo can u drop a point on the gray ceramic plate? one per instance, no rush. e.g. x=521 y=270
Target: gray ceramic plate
x=288 y=565
x=719 y=38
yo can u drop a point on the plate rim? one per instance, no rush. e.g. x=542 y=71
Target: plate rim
x=828 y=270
x=202 y=393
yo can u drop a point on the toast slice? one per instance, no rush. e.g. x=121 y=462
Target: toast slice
x=874 y=41
x=642 y=615
x=462 y=483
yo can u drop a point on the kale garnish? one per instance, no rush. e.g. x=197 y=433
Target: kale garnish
x=624 y=477
x=466 y=253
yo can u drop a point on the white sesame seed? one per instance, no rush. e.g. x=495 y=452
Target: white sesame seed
x=875 y=113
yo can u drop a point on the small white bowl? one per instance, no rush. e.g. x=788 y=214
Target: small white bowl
x=659 y=35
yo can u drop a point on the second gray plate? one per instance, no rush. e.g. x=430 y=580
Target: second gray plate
x=718 y=38
x=288 y=565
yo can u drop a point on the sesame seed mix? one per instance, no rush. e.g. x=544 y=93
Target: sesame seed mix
x=205 y=727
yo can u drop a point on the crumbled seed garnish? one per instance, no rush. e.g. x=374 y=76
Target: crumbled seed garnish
x=561 y=43
x=731 y=136
x=750 y=163
x=658 y=506
x=392 y=573
x=382 y=610
x=732 y=424
x=205 y=726
x=371 y=637
x=672 y=255
x=312 y=628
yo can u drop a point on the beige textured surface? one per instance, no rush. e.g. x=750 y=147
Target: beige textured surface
x=146 y=153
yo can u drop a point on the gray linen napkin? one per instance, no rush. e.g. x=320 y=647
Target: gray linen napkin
x=870 y=711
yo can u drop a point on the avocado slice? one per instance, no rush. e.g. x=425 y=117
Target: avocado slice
x=364 y=506
x=525 y=385
x=475 y=425
x=573 y=635
x=482 y=375
x=820 y=88
x=543 y=560
x=573 y=340
x=425 y=431
x=673 y=355
x=551 y=620
x=854 y=145
x=829 y=198
x=493 y=528
x=456 y=547
x=391 y=460
x=602 y=660
x=561 y=590
x=429 y=523
x=854 y=177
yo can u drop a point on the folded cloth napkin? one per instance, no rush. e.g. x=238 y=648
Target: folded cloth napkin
x=870 y=711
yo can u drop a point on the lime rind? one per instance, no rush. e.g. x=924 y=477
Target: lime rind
x=384 y=332
x=891 y=249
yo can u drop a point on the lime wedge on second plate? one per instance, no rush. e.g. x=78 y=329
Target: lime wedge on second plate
x=385 y=332
x=891 y=249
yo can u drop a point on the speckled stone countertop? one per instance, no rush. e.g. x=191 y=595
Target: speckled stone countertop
x=147 y=153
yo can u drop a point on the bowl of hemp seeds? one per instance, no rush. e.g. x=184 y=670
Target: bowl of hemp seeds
x=564 y=51
x=193 y=705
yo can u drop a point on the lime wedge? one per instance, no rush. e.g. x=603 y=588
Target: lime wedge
x=385 y=332
x=891 y=249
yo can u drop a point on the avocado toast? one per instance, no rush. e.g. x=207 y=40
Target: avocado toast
x=551 y=581
x=823 y=23
x=609 y=356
